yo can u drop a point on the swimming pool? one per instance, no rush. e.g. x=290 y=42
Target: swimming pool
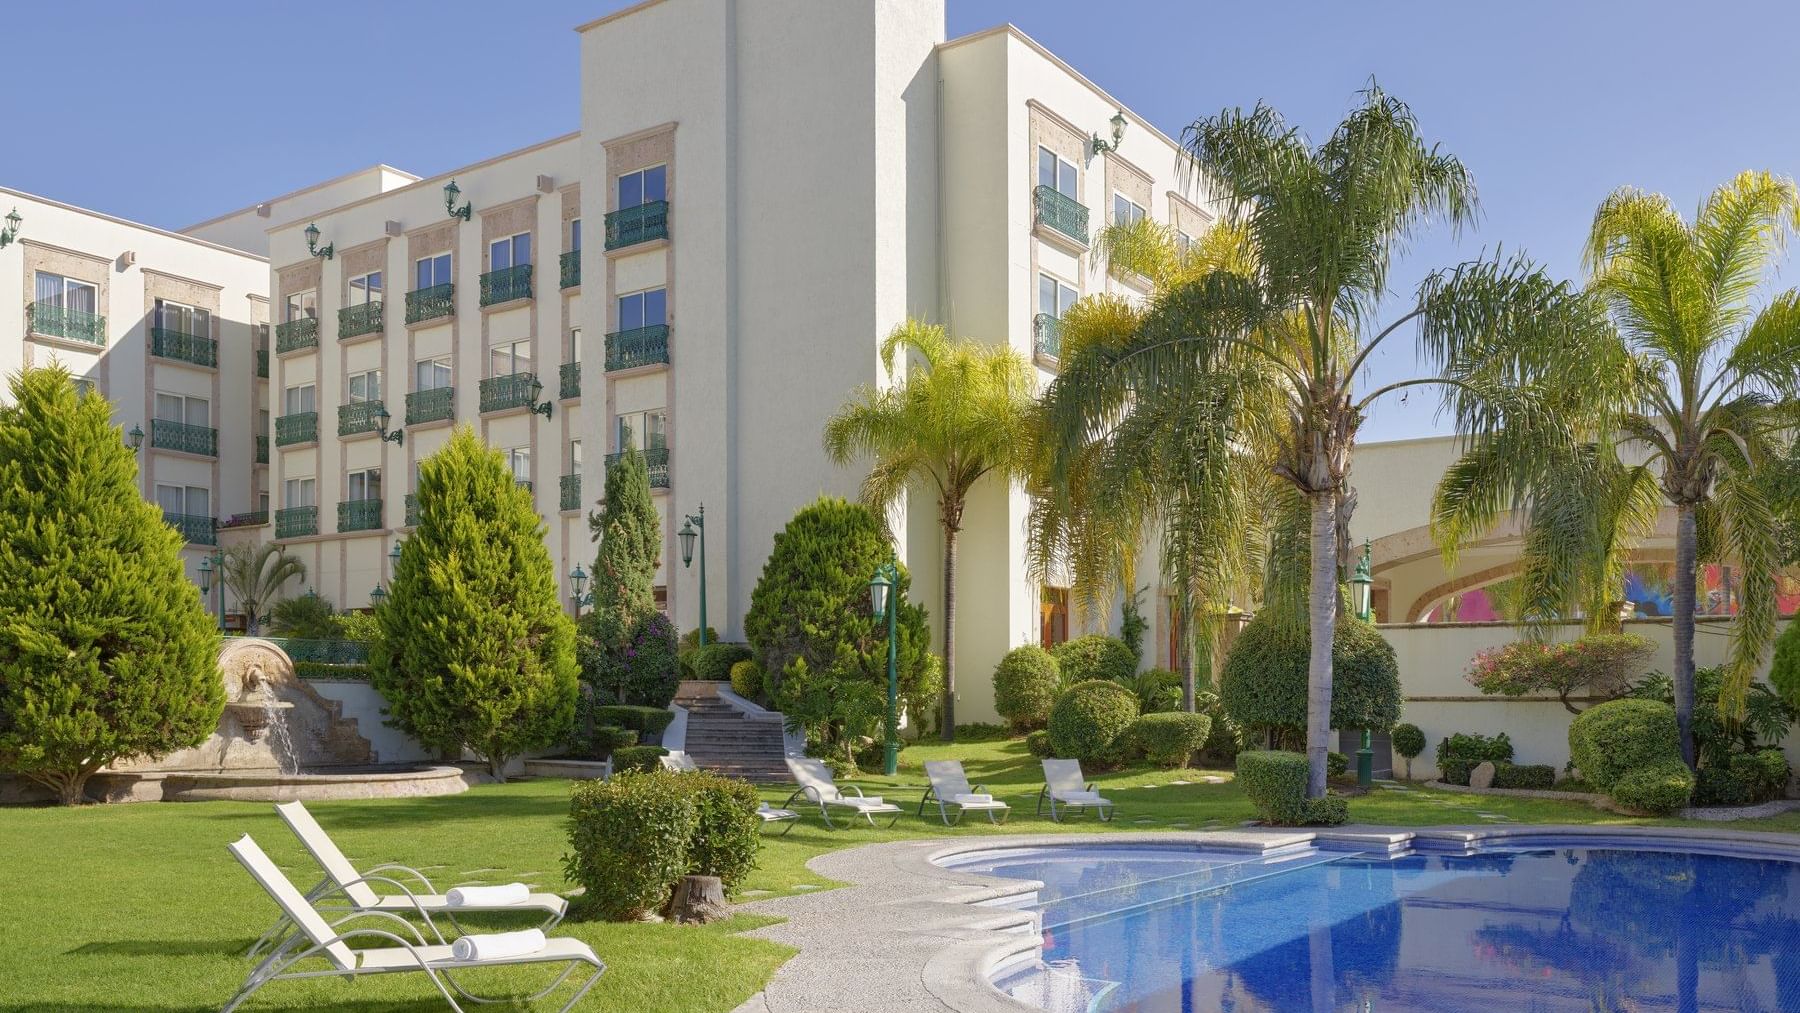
x=1587 y=924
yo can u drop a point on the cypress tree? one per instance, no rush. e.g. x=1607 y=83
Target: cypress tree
x=475 y=652
x=106 y=651
x=629 y=531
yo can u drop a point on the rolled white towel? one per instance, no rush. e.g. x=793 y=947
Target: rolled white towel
x=498 y=945
x=973 y=798
x=488 y=896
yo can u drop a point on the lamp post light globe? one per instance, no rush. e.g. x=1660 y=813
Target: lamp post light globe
x=377 y=596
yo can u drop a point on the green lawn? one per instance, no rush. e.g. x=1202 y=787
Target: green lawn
x=140 y=907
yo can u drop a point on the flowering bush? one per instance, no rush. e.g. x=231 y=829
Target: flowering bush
x=644 y=670
x=1603 y=663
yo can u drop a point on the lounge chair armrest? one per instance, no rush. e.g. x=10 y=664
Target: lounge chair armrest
x=397 y=867
x=345 y=937
x=851 y=787
x=410 y=927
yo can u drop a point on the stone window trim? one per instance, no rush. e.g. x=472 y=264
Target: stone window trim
x=643 y=149
x=1049 y=129
x=1122 y=177
x=293 y=279
x=1188 y=217
x=358 y=261
x=75 y=265
x=509 y=219
x=431 y=240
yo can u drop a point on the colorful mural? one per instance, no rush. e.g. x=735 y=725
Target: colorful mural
x=1647 y=587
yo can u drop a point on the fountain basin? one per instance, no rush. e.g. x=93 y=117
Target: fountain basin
x=314 y=785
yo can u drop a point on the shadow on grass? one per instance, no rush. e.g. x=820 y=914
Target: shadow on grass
x=415 y=810
x=164 y=948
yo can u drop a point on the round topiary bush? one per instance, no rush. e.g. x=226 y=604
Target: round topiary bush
x=1038 y=744
x=1025 y=686
x=746 y=679
x=1094 y=657
x=1090 y=720
x=1408 y=742
x=713 y=662
x=1659 y=789
x=1263 y=681
x=1275 y=783
x=1620 y=737
x=1170 y=739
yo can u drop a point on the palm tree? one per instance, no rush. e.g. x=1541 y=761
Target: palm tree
x=1706 y=407
x=1261 y=361
x=964 y=412
x=255 y=574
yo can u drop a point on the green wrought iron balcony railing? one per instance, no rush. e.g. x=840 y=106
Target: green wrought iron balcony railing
x=1046 y=336
x=641 y=224
x=300 y=427
x=412 y=510
x=570 y=375
x=656 y=459
x=434 y=405
x=639 y=346
x=1061 y=212
x=506 y=284
x=360 y=417
x=571 y=492
x=571 y=268
x=167 y=435
x=296 y=522
x=194 y=349
x=424 y=304
x=359 y=515
x=195 y=529
x=526 y=484
x=296 y=334
x=262 y=448
x=262 y=363
x=363 y=318
x=515 y=390
x=73 y=325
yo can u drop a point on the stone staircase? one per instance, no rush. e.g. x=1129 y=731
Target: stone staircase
x=721 y=739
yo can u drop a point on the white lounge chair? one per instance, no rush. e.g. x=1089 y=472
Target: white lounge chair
x=410 y=952
x=358 y=893
x=1065 y=789
x=769 y=814
x=816 y=785
x=950 y=790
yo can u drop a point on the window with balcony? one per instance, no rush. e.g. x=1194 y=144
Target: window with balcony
x=432 y=398
x=518 y=461
x=571 y=258
x=509 y=270
x=571 y=482
x=184 y=423
x=571 y=369
x=67 y=308
x=362 y=310
x=299 y=513
x=362 y=392
x=299 y=326
x=1056 y=199
x=189 y=509
x=299 y=421
x=1125 y=210
x=643 y=335
x=434 y=289
x=301 y=306
x=1054 y=300
x=364 y=484
x=646 y=430
x=364 y=386
x=644 y=186
x=183 y=333
x=643 y=208
x=297 y=399
x=299 y=492
x=507 y=359
x=361 y=506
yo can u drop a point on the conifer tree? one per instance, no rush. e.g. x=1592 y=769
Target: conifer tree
x=106 y=651
x=475 y=651
x=629 y=531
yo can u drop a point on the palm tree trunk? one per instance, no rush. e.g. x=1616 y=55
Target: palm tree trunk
x=1685 y=548
x=948 y=732
x=1322 y=624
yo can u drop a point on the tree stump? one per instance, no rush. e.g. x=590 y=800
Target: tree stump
x=699 y=899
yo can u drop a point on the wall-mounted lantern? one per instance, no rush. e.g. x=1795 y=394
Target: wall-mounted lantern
x=11 y=231
x=313 y=247
x=451 y=192
x=1118 y=134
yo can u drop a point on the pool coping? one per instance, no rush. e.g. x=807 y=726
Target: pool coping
x=906 y=933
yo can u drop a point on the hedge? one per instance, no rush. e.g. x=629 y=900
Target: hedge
x=1170 y=739
x=1094 y=657
x=1090 y=720
x=645 y=720
x=1038 y=744
x=1611 y=740
x=1275 y=783
x=322 y=670
x=1461 y=753
x=713 y=662
x=641 y=759
x=1524 y=776
x=1025 y=686
x=1659 y=789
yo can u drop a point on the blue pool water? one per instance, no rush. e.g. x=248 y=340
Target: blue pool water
x=1585 y=928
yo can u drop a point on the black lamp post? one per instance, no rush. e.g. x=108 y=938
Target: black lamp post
x=696 y=527
x=578 y=579
x=884 y=598
x=1362 y=597
x=208 y=565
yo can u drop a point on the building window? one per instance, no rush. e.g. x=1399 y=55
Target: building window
x=262 y=420
x=365 y=484
x=184 y=499
x=1054 y=298
x=574 y=457
x=66 y=293
x=1055 y=172
x=513 y=251
x=644 y=309
x=644 y=186
x=364 y=386
x=644 y=430
x=365 y=288
x=193 y=411
x=296 y=400
x=262 y=502
x=575 y=345
x=1125 y=211
x=1053 y=616
x=1183 y=242
x=432 y=271
x=299 y=492
x=518 y=460
x=431 y=374
x=575 y=235
x=301 y=306
x=174 y=316
x=507 y=359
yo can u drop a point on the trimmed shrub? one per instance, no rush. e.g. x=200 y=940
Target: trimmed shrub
x=1659 y=789
x=1275 y=783
x=1170 y=739
x=1620 y=737
x=641 y=759
x=1025 y=686
x=1524 y=776
x=1603 y=663
x=729 y=832
x=640 y=670
x=1095 y=656
x=1158 y=691
x=603 y=740
x=647 y=720
x=1784 y=665
x=1336 y=764
x=1090 y=720
x=1408 y=742
x=1263 y=681
x=1747 y=778
x=1038 y=744
x=1461 y=753
x=629 y=840
x=713 y=662
x=746 y=679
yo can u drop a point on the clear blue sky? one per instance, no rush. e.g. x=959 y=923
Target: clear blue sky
x=1551 y=104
